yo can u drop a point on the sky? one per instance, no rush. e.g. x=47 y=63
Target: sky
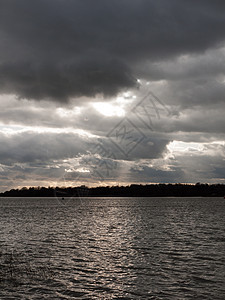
x=111 y=92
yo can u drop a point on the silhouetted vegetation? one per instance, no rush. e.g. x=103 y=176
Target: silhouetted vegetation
x=133 y=190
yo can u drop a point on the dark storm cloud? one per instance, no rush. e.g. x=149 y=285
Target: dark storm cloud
x=60 y=82
x=56 y=49
x=42 y=148
x=39 y=148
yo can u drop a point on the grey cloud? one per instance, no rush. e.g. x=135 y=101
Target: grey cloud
x=61 y=82
x=149 y=174
x=190 y=166
x=31 y=147
x=197 y=119
x=194 y=92
x=77 y=52
x=151 y=147
x=40 y=149
x=56 y=49
x=204 y=167
x=51 y=157
x=209 y=64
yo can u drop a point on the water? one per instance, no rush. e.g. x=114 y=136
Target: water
x=112 y=248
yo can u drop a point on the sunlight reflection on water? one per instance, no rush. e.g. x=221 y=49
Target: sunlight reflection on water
x=116 y=248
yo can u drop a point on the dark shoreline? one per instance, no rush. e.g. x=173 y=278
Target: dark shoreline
x=134 y=190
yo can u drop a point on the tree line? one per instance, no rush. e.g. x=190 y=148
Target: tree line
x=133 y=190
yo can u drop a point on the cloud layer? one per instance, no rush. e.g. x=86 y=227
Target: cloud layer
x=54 y=49
x=77 y=86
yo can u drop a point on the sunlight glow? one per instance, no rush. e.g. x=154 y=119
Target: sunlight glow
x=79 y=170
x=179 y=146
x=108 y=109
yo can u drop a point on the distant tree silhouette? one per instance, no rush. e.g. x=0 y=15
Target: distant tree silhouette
x=133 y=190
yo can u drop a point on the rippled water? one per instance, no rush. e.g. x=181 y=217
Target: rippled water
x=112 y=248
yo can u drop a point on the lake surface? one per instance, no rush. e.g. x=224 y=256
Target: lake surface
x=112 y=248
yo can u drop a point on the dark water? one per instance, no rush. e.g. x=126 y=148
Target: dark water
x=112 y=248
